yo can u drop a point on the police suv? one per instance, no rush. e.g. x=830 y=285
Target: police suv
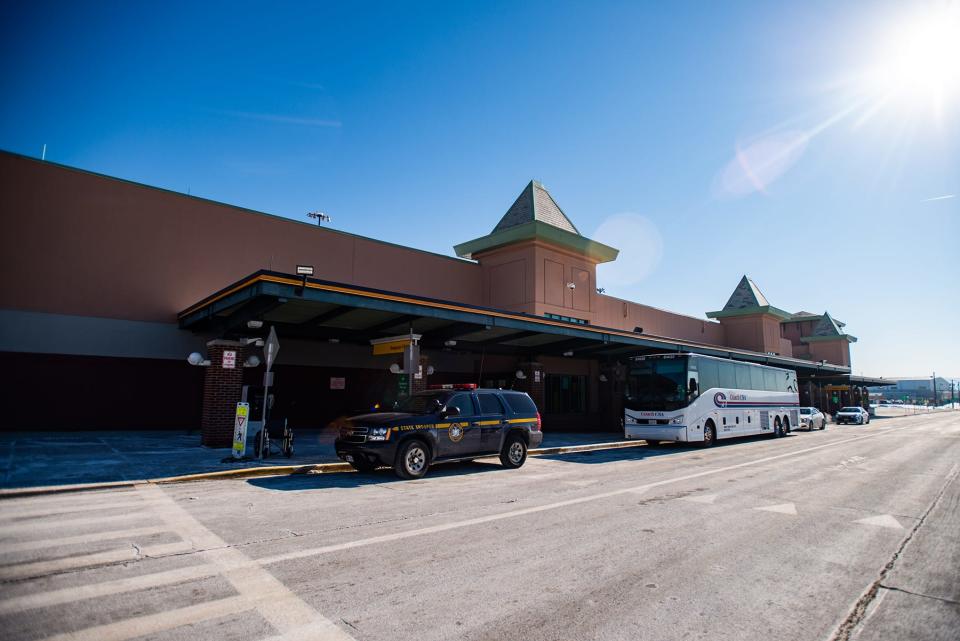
x=445 y=423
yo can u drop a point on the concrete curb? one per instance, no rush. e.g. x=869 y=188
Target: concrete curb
x=274 y=470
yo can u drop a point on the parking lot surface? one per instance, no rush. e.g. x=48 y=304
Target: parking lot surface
x=848 y=533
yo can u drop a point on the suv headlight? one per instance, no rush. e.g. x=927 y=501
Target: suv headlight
x=378 y=433
x=677 y=420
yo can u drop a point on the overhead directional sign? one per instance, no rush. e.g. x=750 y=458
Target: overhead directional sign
x=393 y=344
x=271 y=348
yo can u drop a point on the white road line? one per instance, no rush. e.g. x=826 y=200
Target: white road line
x=106 y=588
x=30 y=526
x=385 y=538
x=39 y=544
x=285 y=611
x=127 y=553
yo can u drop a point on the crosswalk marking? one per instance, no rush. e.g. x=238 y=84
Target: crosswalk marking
x=93 y=537
x=883 y=520
x=288 y=614
x=69 y=508
x=127 y=553
x=154 y=623
x=31 y=526
x=106 y=588
x=783 y=508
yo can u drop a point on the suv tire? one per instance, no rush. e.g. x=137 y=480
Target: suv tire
x=514 y=452
x=412 y=460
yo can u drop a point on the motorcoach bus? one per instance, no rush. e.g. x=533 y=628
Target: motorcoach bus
x=694 y=398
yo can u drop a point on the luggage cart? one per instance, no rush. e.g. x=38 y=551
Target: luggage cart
x=275 y=438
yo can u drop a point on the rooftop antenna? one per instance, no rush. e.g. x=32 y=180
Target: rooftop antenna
x=320 y=216
x=43 y=154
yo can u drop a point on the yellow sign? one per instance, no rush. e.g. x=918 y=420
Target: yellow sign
x=392 y=347
x=240 y=430
x=837 y=388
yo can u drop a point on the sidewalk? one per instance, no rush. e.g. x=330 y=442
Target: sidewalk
x=34 y=459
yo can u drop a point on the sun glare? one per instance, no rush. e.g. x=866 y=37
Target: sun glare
x=920 y=60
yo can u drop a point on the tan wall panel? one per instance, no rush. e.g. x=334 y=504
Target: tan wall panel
x=507 y=283
x=78 y=243
x=553 y=285
x=580 y=297
x=626 y=315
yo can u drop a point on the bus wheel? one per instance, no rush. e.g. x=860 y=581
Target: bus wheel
x=709 y=435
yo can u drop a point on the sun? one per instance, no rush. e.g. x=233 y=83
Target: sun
x=919 y=59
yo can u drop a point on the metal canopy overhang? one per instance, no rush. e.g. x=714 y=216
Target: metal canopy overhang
x=849 y=379
x=325 y=310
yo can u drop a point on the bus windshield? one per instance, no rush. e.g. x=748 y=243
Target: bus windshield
x=657 y=384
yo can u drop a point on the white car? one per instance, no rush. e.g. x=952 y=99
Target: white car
x=856 y=415
x=812 y=418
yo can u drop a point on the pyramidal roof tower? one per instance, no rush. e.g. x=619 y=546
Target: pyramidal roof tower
x=535 y=260
x=535 y=203
x=536 y=216
x=747 y=299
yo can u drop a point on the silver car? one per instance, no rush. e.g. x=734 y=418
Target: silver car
x=812 y=418
x=856 y=415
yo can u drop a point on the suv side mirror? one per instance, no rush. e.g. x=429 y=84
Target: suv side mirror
x=692 y=386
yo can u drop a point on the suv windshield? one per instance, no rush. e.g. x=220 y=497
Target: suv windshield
x=425 y=403
x=850 y=409
x=659 y=384
x=806 y=410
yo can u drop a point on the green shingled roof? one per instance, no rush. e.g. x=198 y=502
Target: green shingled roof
x=535 y=215
x=748 y=299
x=535 y=203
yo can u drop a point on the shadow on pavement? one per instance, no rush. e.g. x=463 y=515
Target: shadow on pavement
x=300 y=482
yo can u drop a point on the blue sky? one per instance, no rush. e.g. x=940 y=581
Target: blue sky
x=704 y=140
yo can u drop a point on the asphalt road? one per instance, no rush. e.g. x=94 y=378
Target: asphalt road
x=853 y=532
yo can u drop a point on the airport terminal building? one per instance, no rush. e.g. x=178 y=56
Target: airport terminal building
x=107 y=286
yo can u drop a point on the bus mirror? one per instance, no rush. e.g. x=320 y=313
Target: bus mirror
x=693 y=386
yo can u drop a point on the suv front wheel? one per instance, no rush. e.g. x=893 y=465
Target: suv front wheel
x=514 y=452
x=412 y=460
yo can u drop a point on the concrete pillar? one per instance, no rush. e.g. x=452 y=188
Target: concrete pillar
x=221 y=393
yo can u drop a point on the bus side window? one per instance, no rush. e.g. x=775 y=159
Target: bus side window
x=728 y=377
x=709 y=375
x=770 y=380
x=743 y=376
x=756 y=378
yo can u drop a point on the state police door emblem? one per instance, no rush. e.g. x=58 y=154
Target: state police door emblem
x=455 y=432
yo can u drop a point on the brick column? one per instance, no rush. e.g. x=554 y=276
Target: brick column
x=420 y=384
x=535 y=388
x=221 y=393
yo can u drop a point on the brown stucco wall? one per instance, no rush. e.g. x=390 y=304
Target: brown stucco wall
x=626 y=315
x=79 y=243
x=756 y=332
x=836 y=351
